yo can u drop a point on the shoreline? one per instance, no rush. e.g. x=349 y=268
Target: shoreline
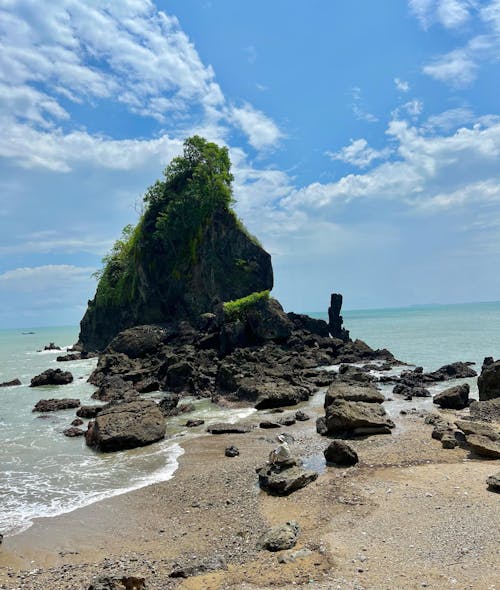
x=404 y=483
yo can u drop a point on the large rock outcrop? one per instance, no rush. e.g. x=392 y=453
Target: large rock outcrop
x=488 y=382
x=188 y=252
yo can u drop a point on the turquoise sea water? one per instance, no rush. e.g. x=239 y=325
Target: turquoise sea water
x=43 y=473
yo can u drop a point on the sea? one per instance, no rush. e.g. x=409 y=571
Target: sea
x=43 y=473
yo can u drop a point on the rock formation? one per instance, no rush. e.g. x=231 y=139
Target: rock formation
x=488 y=382
x=335 y=319
x=188 y=252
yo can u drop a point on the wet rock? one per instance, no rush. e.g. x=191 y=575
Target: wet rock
x=458 y=370
x=77 y=422
x=453 y=398
x=51 y=346
x=126 y=425
x=117 y=583
x=484 y=446
x=73 y=431
x=340 y=453
x=89 y=411
x=269 y=424
x=488 y=382
x=10 y=383
x=54 y=405
x=52 y=377
x=147 y=385
x=270 y=393
x=231 y=451
x=114 y=388
x=282 y=482
x=356 y=418
x=168 y=405
x=139 y=341
x=179 y=376
x=449 y=441
x=226 y=428
x=194 y=423
x=280 y=537
x=301 y=416
x=410 y=391
x=287 y=421
x=353 y=393
x=493 y=482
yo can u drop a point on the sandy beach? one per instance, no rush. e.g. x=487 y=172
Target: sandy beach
x=409 y=515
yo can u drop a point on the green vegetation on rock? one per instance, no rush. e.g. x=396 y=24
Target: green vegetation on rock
x=237 y=309
x=187 y=252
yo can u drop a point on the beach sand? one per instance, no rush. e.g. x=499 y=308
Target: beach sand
x=409 y=515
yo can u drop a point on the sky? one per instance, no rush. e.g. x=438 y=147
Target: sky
x=364 y=137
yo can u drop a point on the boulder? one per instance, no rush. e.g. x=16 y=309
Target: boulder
x=126 y=425
x=453 y=398
x=117 y=583
x=340 y=453
x=179 y=376
x=410 y=391
x=493 y=482
x=488 y=382
x=308 y=324
x=458 y=370
x=287 y=420
x=115 y=388
x=484 y=446
x=479 y=428
x=449 y=441
x=301 y=416
x=198 y=567
x=54 y=405
x=335 y=320
x=73 y=431
x=147 y=385
x=356 y=418
x=226 y=428
x=194 y=423
x=89 y=411
x=265 y=394
x=280 y=537
x=139 y=341
x=353 y=393
x=52 y=377
x=51 y=346
x=10 y=383
x=269 y=424
x=77 y=422
x=278 y=481
x=168 y=405
x=231 y=451
x=488 y=411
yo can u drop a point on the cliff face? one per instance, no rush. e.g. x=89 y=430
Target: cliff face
x=188 y=253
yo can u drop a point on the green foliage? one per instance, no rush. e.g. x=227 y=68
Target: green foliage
x=237 y=309
x=177 y=209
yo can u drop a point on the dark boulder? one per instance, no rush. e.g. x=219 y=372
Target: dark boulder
x=194 y=423
x=488 y=410
x=356 y=418
x=231 y=451
x=139 y=341
x=126 y=425
x=301 y=416
x=10 y=383
x=282 y=482
x=488 y=382
x=54 y=405
x=280 y=537
x=168 y=405
x=52 y=377
x=115 y=388
x=339 y=452
x=493 y=482
x=353 y=393
x=267 y=424
x=117 y=583
x=89 y=411
x=147 y=385
x=268 y=393
x=77 y=422
x=410 y=391
x=226 y=428
x=308 y=324
x=457 y=370
x=335 y=319
x=51 y=346
x=73 y=432
x=198 y=567
x=453 y=398
x=179 y=376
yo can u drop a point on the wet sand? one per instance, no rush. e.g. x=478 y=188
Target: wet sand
x=409 y=515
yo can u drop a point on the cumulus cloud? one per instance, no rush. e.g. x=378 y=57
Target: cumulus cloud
x=359 y=153
x=457 y=68
x=449 y=13
x=401 y=85
x=358 y=109
x=262 y=131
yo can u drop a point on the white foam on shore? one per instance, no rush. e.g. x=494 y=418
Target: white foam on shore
x=18 y=518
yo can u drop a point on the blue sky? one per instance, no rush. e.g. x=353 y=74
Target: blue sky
x=365 y=140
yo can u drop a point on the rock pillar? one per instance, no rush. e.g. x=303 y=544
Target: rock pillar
x=335 y=319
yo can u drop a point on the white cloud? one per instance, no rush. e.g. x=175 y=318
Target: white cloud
x=401 y=85
x=359 y=153
x=449 y=13
x=414 y=107
x=449 y=120
x=262 y=131
x=52 y=277
x=456 y=68
x=484 y=191
x=468 y=157
x=491 y=14
x=358 y=108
